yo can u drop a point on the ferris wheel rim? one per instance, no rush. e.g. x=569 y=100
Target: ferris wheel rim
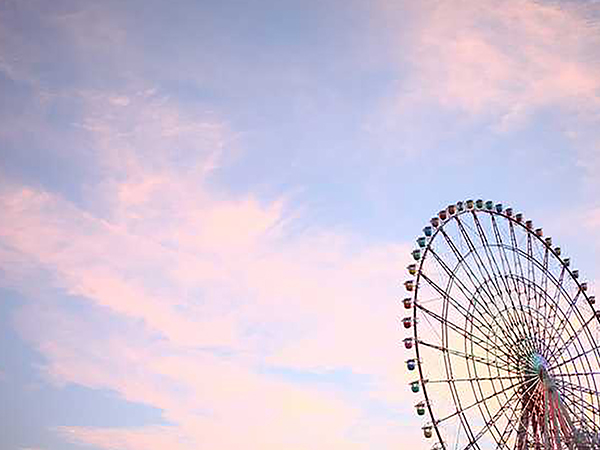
x=415 y=300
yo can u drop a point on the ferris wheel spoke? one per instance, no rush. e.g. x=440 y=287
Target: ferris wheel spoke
x=517 y=262
x=508 y=329
x=544 y=288
x=586 y=360
x=489 y=397
x=432 y=328
x=548 y=346
x=582 y=406
x=574 y=338
x=468 y=357
x=452 y=380
x=473 y=249
x=575 y=374
x=458 y=307
x=565 y=320
x=503 y=274
x=564 y=347
x=578 y=392
x=499 y=274
x=458 y=428
x=546 y=261
x=589 y=381
x=531 y=276
x=555 y=346
x=481 y=266
x=512 y=321
x=554 y=330
x=506 y=269
x=526 y=325
x=575 y=388
x=508 y=273
x=505 y=260
x=515 y=245
x=501 y=412
x=481 y=319
x=462 y=261
x=587 y=352
x=465 y=334
x=452 y=276
x=520 y=278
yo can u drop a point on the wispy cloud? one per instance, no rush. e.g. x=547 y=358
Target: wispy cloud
x=196 y=294
x=507 y=60
x=501 y=66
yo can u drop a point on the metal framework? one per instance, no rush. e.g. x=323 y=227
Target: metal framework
x=504 y=335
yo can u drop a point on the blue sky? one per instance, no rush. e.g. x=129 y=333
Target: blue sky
x=207 y=207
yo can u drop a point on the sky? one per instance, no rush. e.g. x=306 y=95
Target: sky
x=207 y=207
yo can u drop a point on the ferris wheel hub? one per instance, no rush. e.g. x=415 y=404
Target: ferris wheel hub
x=539 y=363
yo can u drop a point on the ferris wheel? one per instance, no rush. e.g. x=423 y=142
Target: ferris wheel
x=503 y=335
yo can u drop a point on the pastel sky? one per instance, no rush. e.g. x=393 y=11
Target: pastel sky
x=206 y=207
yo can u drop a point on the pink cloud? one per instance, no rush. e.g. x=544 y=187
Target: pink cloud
x=501 y=62
x=204 y=396
x=173 y=269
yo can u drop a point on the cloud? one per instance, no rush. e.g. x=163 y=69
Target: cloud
x=474 y=64
x=472 y=73
x=509 y=59
x=177 y=295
